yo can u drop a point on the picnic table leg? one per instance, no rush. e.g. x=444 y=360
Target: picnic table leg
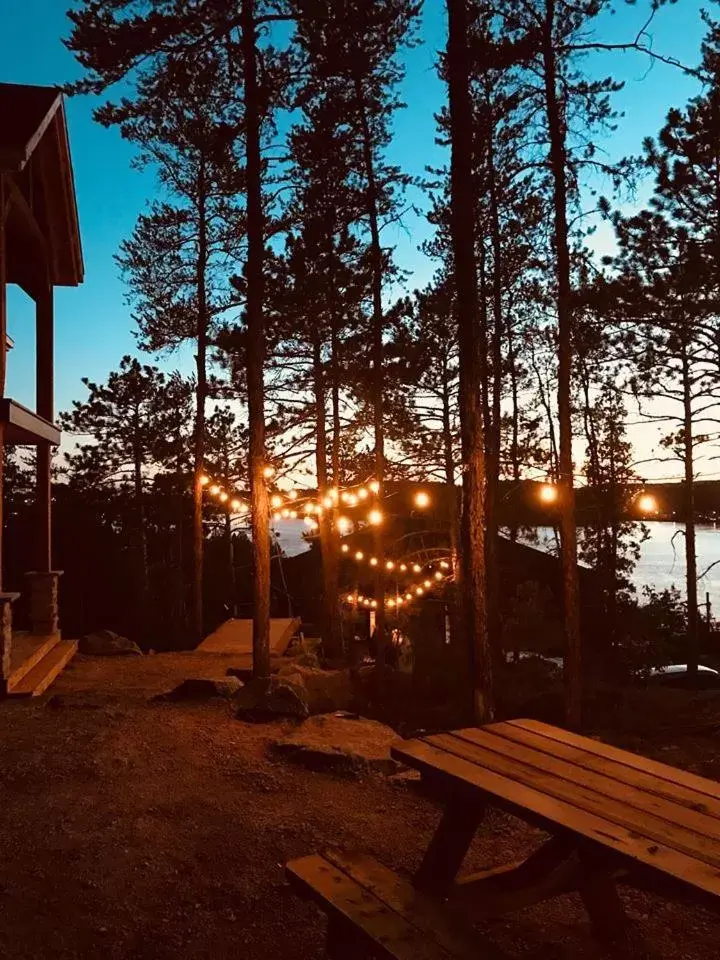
x=600 y=897
x=448 y=846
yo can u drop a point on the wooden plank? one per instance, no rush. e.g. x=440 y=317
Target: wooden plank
x=529 y=803
x=623 y=771
x=614 y=810
x=422 y=911
x=387 y=933
x=636 y=797
x=28 y=650
x=36 y=682
x=449 y=844
x=662 y=771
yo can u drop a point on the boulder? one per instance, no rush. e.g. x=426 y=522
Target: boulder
x=203 y=689
x=263 y=700
x=341 y=744
x=326 y=690
x=106 y=643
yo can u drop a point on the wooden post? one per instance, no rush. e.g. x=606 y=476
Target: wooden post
x=44 y=401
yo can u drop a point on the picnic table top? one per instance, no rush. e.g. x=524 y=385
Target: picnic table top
x=654 y=814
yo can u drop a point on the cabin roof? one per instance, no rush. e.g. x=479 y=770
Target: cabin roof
x=35 y=153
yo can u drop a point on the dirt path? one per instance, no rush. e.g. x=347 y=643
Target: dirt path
x=157 y=831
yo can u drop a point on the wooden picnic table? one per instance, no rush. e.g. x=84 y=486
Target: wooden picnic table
x=612 y=816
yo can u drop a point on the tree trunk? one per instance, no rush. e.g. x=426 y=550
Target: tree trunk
x=332 y=642
x=377 y=361
x=255 y=357
x=144 y=573
x=462 y=226
x=493 y=440
x=689 y=517
x=335 y=375
x=200 y=398
x=568 y=533
x=515 y=417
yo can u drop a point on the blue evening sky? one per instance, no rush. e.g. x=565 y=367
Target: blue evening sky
x=94 y=328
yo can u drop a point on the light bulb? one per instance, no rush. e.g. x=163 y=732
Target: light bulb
x=204 y=481
x=422 y=499
x=276 y=501
x=375 y=517
x=374 y=486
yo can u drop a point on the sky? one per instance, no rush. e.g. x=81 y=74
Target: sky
x=93 y=322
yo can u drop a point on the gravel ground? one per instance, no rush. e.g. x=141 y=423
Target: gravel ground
x=132 y=829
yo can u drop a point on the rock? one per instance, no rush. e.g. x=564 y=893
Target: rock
x=341 y=745
x=106 y=643
x=262 y=700
x=203 y=689
x=326 y=690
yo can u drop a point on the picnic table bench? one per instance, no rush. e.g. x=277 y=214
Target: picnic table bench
x=612 y=817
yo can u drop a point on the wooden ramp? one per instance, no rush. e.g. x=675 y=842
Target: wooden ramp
x=36 y=662
x=235 y=636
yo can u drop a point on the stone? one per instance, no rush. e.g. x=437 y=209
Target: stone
x=340 y=744
x=198 y=689
x=326 y=690
x=264 y=700
x=44 y=601
x=6 y=633
x=107 y=643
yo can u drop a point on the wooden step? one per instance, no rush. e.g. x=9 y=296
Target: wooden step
x=37 y=680
x=28 y=650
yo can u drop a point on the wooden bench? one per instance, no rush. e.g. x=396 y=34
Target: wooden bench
x=374 y=913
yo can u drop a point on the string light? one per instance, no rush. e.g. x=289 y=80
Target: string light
x=276 y=501
x=204 y=481
x=374 y=486
x=236 y=505
x=359 y=555
x=223 y=497
x=345 y=548
x=422 y=499
x=373 y=561
x=343 y=525
x=269 y=472
x=215 y=490
x=389 y=565
x=548 y=493
x=375 y=517
x=362 y=493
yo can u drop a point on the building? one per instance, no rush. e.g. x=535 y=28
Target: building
x=39 y=250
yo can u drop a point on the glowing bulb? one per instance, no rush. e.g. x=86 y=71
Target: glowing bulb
x=416 y=568
x=362 y=493
x=389 y=565
x=352 y=500
x=374 y=486
x=422 y=499
x=374 y=604
x=334 y=494
x=408 y=596
x=293 y=514
x=345 y=548
x=351 y=598
x=224 y=497
x=375 y=517
x=204 y=481
x=419 y=591
x=269 y=472
x=373 y=561
x=438 y=576
x=327 y=503
x=343 y=524
x=236 y=505
x=276 y=501
x=647 y=503
x=400 y=601
x=285 y=514
x=548 y=493
x=367 y=603
x=403 y=567
x=391 y=603
x=444 y=564
x=359 y=555
x=309 y=508
x=428 y=584
x=293 y=494
x=214 y=489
